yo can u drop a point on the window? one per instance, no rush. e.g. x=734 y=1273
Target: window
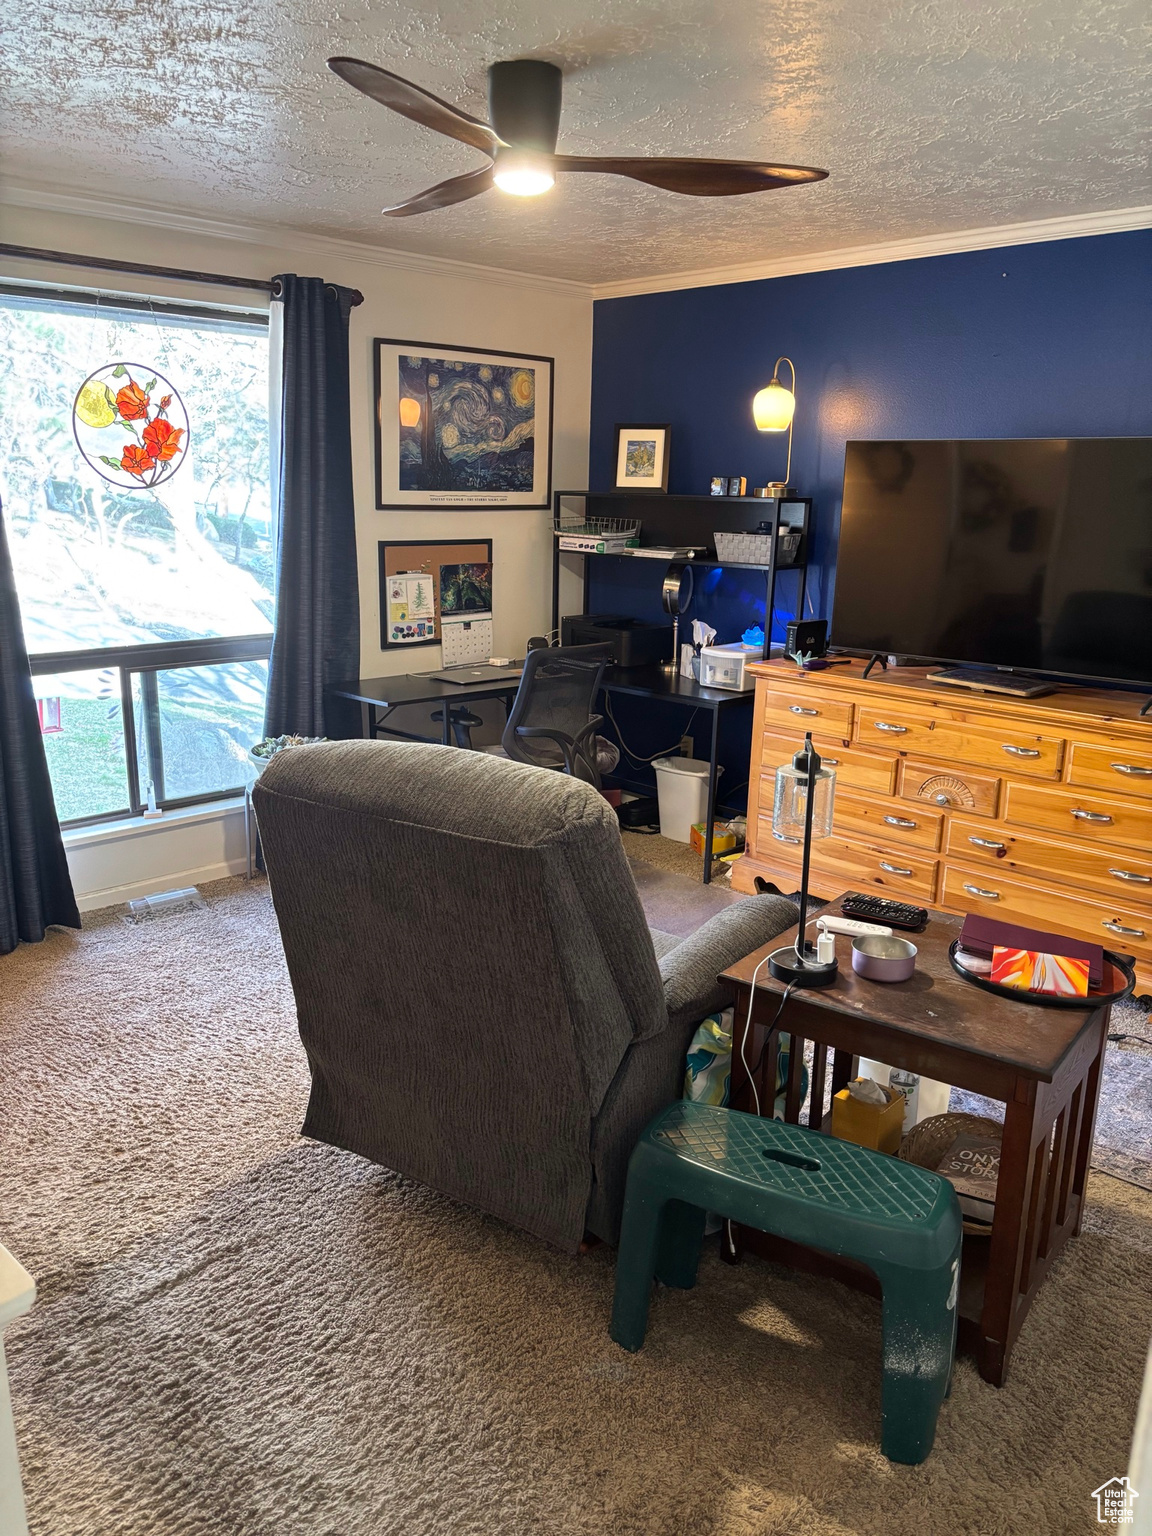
x=147 y=607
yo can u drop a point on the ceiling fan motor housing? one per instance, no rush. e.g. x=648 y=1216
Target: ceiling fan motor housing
x=524 y=103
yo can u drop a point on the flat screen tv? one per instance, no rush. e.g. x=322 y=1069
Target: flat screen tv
x=1027 y=554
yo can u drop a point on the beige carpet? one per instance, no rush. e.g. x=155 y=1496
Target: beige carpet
x=667 y=854
x=240 y=1332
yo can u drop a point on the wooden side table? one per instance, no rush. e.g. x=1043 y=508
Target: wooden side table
x=1044 y=1064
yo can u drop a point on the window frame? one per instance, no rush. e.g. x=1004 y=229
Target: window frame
x=148 y=658
x=146 y=661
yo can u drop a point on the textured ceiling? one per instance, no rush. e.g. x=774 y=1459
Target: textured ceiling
x=930 y=117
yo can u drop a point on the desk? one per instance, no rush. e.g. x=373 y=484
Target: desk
x=684 y=692
x=379 y=696
x=1043 y=1063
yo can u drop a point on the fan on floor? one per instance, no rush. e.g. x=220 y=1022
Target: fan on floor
x=524 y=104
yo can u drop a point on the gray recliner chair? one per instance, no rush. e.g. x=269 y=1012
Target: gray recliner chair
x=483 y=1007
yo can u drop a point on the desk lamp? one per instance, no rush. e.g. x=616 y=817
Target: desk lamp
x=801 y=811
x=773 y=409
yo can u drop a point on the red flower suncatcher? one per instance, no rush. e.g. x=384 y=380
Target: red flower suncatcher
x=121 y=396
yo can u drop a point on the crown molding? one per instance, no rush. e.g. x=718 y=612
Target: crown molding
x=287 y=239
x=279 y=238
x=1067 y=227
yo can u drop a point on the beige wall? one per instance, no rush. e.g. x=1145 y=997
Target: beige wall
x=436 y=302
x=405 y=298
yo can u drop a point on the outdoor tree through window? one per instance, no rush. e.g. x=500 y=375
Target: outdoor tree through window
x=147 y=607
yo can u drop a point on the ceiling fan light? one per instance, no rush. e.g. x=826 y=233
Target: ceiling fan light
x=773 y=407
x=523 y=172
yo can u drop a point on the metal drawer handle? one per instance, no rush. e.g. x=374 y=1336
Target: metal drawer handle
x=830 y=762
x=781 y=838
x=894 y=869
x=898 y=821
x=898 y=730
x=1022 y=751
x=1141 y=773
x=798 y=709
x=1091 y=816
x=987 y=842
x=1129 y=933
x=978 y=890
x=1127 y=874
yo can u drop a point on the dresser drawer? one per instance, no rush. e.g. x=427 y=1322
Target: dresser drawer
x=808 y=711
x=958 y=790
x=1116 y=768
x=860 y=770
x=952 y=741
x=1126 y=876
x=888 y=822
x=852 y=865
x=1080 y=813
x=982 y=891
x=869 y=866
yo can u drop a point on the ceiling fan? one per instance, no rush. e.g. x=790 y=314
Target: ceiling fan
x=524 y=104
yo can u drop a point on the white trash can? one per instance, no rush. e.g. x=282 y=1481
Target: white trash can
x=682 y=789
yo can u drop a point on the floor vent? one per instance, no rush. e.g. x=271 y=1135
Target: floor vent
x=147 y=908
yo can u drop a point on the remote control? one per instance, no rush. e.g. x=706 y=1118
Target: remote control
x=850 y=925
x=878 y=909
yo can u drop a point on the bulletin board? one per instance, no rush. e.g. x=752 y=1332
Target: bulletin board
x=459 y=585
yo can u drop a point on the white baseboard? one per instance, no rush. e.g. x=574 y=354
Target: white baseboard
x=119 y=861
x=118 y=895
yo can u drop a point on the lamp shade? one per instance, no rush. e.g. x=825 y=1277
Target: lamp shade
x=790 y=803
x=773 y=407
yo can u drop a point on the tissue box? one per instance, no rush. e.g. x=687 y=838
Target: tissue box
x=723 y=666
x=878 y=1126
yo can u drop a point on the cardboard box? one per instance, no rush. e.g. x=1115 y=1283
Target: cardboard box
x=879 y=1126
x=722 y=841
x=595 y=544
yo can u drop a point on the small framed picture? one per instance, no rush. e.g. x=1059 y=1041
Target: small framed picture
x=642 y=458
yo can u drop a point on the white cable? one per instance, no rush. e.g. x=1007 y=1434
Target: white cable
x=748 y=1026
x=748 y=1031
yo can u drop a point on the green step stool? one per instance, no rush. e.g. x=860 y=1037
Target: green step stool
x=903 y=1222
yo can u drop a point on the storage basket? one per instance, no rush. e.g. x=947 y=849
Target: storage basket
x=756 y=548
x=744 y=548
x=926 y=1144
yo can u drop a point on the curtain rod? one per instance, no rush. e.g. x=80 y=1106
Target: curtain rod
x=100 y=263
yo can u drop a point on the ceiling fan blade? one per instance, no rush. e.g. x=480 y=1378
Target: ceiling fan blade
x=413 y=102
x=444 y=194
x=694 y=178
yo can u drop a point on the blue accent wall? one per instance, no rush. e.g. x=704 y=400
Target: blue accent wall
x=1045 y=340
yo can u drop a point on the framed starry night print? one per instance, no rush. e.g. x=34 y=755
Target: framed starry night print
x=460 y=427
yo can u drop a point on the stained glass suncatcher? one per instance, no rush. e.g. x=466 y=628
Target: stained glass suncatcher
x=130 y=425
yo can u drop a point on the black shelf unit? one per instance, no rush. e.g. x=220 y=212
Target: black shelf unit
x=690 y=521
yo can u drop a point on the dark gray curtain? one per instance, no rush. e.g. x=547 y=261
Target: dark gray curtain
x=316 y=641
x=35 y=887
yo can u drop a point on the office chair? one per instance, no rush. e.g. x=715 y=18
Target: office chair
x=551 y=724
x=461 y=720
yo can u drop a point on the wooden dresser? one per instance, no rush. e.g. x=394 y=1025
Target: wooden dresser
x=1035 y=810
